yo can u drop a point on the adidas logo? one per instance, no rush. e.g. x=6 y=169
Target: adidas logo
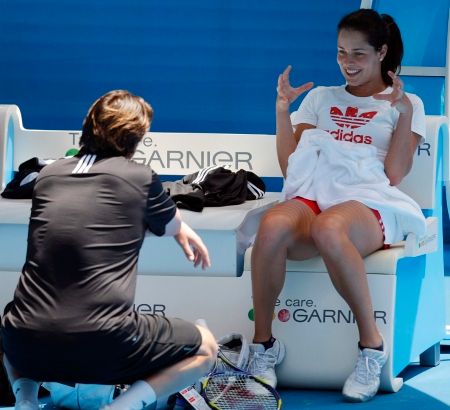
x=340 y=135
x=351 y=118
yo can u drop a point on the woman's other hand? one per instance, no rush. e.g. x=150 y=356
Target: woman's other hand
x=397 y=97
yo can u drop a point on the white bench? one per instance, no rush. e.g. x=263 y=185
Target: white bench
x=406 y=282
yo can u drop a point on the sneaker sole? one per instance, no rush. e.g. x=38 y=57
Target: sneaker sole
x=350 y=399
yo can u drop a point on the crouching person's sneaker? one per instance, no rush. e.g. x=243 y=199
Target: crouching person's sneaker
x=362 y=385
x=262 y=362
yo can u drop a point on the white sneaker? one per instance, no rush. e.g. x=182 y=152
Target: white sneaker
x=262 y=362
x=26 y=405
x=362 y=385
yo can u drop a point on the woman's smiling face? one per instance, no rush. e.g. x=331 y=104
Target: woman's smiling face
x=359 y=62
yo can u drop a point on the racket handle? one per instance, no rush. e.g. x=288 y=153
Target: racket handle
x=202 y=323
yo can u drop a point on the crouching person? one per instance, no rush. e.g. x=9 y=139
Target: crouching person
x=72 y=318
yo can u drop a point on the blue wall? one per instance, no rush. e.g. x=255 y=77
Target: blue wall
x=205 y=65
x=424 y=29
x=423 y=25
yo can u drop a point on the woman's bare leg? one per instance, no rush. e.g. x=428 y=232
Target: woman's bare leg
x=344 y=234
x=284 y=231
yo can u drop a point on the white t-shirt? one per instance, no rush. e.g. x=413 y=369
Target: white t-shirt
x=362 y=120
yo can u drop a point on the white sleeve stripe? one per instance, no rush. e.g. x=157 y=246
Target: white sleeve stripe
x=154 y=198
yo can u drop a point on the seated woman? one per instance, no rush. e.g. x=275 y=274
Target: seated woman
x=72 y=317
x=373 y=116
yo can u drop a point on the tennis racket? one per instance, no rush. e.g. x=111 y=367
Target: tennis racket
x=228 y=387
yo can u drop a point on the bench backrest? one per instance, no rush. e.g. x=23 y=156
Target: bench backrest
x=185 y=153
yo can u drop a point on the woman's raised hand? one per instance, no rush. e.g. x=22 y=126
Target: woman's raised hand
x=397 y=97
x=286 y=93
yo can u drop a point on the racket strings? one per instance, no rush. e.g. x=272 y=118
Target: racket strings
x=239 y=392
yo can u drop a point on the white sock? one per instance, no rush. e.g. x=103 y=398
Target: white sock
x=26 y=389
x=138 y=396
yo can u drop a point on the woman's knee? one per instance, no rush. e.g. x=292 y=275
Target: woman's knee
x=327 y=232
x=275 y=228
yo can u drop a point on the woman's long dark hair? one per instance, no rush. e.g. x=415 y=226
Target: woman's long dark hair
x=379 y=29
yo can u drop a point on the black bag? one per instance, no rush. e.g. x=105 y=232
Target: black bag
x=22 y=185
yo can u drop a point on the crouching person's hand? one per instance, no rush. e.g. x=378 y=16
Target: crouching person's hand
x=193 y=246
